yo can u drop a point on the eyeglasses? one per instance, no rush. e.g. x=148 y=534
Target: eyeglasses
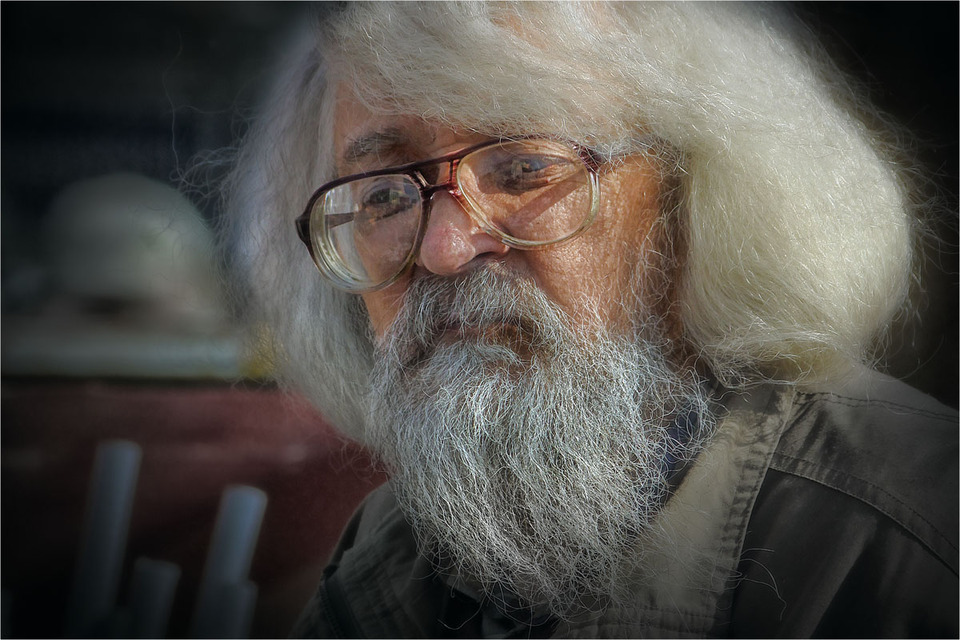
x=363 y=231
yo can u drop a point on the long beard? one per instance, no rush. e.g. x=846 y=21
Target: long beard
x=529 y=462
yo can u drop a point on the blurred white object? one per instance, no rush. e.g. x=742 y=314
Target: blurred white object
x=100 y=562
x=152 y=592
x=136 y=291
x=64 y=347
x=226 y=600
x=125 y=238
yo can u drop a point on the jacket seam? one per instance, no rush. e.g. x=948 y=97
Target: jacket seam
x=330 y=614
x=811 y=477
x=663 y=620
x=848 y=401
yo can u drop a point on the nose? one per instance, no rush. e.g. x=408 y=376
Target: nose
x=453 y=243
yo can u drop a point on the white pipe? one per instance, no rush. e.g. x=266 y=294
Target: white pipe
x=228 y=561
x=152 y=589
x=104 y=537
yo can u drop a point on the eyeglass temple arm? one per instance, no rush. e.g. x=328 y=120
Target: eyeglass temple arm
x=332 y=220
x=303 y=229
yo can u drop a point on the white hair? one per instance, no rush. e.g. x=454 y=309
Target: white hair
x=796 y=228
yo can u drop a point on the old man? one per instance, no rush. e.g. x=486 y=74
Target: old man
x=596 y=285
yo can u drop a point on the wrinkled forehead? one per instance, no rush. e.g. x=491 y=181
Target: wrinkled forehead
x=360 y=133
x=366 y=139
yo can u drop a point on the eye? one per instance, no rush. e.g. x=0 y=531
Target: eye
x=386 y=198
x=517 y=173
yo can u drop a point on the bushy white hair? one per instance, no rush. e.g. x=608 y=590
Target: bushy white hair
x=795 y=226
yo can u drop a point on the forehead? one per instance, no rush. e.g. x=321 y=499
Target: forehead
x=366 y=140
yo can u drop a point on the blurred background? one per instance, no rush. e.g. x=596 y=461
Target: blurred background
x=114 y=325
x=113 y=320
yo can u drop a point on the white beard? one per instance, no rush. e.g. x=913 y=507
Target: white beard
x=530 y=462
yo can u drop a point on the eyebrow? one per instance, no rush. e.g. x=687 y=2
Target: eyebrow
x=376 y=144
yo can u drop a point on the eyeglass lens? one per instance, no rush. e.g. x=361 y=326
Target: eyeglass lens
x=527 y=193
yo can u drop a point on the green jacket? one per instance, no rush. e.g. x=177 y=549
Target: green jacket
x=818 y=513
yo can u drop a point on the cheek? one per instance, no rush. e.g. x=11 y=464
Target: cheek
x=591 y=277
x=586 y=279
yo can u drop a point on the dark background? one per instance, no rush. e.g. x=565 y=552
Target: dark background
x=90 y=89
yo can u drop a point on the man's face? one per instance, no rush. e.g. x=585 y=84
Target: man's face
x=588 y=277
x=524 y=402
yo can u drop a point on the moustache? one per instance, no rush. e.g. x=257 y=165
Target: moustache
x=487 y=306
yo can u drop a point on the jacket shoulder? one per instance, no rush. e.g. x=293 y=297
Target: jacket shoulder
x=854 y=528
x=885 y=444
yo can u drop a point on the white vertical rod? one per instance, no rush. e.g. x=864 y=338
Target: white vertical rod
x=228 y=560
x=104 y=537
x=152 y=589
